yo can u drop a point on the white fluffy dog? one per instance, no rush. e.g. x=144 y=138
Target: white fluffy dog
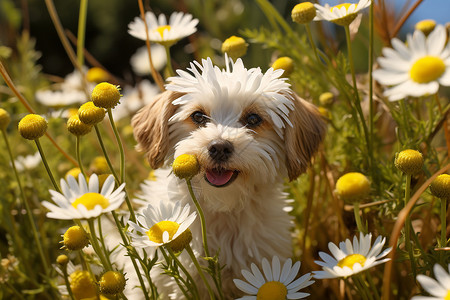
x=249 y=132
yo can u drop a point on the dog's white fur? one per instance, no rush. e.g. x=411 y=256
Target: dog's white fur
x=246 y=220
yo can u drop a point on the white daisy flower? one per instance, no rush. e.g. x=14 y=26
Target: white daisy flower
x=164 y=225
x=27 y=162
x=276 y=284
x=415 y=69
x=439 y=289
x=84 y=201
x=350 y=259
x=342 y=14
x=140 y=63
x=180 y=26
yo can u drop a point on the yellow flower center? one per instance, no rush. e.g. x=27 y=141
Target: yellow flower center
x=155 y=234
x=185 y=166
x=350 y=260
x=447 y=297
x=346 y=5
x=161 y=29
x=90 y=200
x=272 y=290
x=83 y=285
x=426 y=69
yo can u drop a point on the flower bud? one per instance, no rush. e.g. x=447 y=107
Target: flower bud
x=409 y=161
x=235 y=47
x=303 y=13
x=76 y=127
x=185 y=166
x=353 y=187
x=32 y=127
x=4 y=119
x=75 y=238
x=285 y=63
x=90 y=114
x=105 y=95
x=112 y=283
x=440 y=187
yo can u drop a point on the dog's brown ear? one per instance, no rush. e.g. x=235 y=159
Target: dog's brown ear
x=151 y=129
x=303 y=138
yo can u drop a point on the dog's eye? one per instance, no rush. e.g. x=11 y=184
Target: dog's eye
x=253 y=120
x=199 y=118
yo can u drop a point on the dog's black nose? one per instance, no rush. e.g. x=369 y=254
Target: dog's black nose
x=220 y=150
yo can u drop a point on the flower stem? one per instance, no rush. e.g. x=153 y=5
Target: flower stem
x=444 y=125
x=202 y=217
x=96 y=246
x=133 y=261
x=200 y=271
x=81 y=31
x=443 y=222
x=44 y=160
x=119 y=143
x=185 y=271
x=361 y=228
x=357 y=101
x=169 y=68
x=363 y=287
x=108 y=161
x=178 y=279
x=408 y=227
x=29 y=213
x=311 y=41
x=66 y=281
x=79 y=157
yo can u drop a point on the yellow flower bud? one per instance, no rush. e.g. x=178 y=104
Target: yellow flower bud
x=185 y=166
x=74 y=172
x=326 y=98
x=181 y=242
x=105 y=95
x=285 y=63
x=353 y=187
x=62 y=259
x=32 y=127
x=409 y=161
x=4 y=119
x=235 y=47
x=440 y=187
x=75 y=238
x=303 y=13
x=99 y=165
x=97 y=75
x=76 y=127
x=112 y=283
x=426 y=26
x=83 y=285
x=90 y=114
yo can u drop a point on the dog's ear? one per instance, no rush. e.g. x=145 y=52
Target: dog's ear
x=151 y=129
x=303 y=138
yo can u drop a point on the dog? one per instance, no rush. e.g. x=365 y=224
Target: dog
x=249 y=131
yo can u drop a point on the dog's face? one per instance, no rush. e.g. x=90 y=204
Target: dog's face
x=246 y=128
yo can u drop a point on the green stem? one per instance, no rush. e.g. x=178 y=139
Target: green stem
x=29 y=213
x=357 y=101
x=102 y=240
x=443 y=222
x=408 y=226
x=361 y=228
x=108 y=161
x=44 y=160
x=96 y=246
x=179 y=280
x=311 y=41
x=66 y=281
x=81 y=31
x=169 y=67
x=360 y=288
x=200 y=271
x=202 y=217
x=79 y=156
x=133 y=261
x=185 y=271
x=119 y=143
x=363 y=286
x=372 y=286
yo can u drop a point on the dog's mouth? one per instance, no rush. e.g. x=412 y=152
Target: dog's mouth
x=220 y=177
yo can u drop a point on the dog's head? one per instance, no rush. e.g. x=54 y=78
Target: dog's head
x=245 y=127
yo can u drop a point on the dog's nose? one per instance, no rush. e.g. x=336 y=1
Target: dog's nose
x=220 y=150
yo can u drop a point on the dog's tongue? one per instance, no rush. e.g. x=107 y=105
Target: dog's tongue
x=217 y=177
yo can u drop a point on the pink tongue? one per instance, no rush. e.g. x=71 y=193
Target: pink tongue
x=219 y=178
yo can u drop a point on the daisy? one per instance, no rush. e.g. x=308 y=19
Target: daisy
x=276 y=284
x=164 y=225
x=180 y=25
x=440 y=288
x=351 y=259
x=140 y=63
x=416 y=68
x=342 y=14
x=83 y=200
